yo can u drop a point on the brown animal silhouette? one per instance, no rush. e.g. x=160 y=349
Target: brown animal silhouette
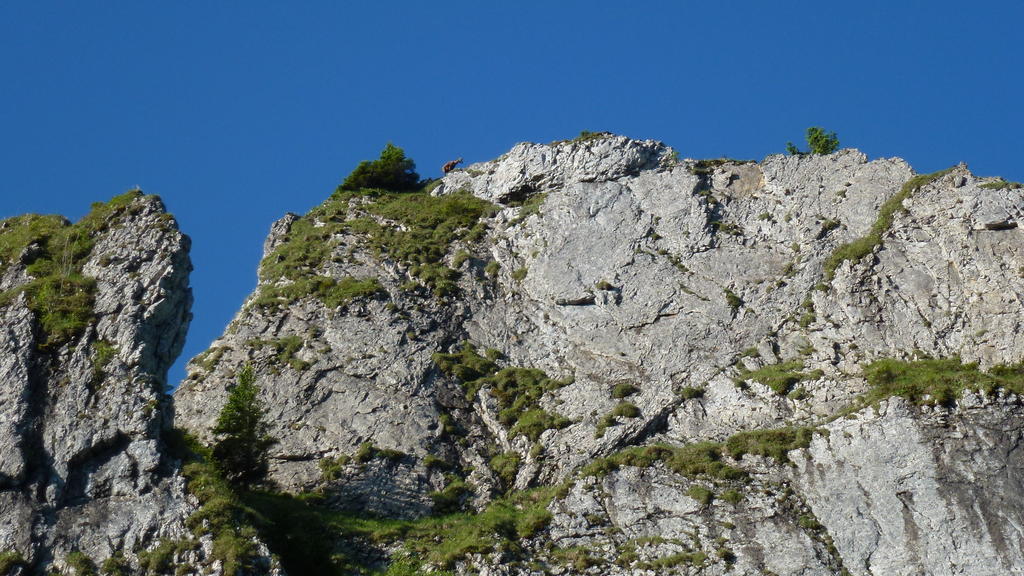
x=449 y=166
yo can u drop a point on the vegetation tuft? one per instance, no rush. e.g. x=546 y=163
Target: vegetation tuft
x=781 y=378
x=409 y=226
x=771 y=443
x=819 y=141
x=857 y=249
x=221 y=514
x=54 y=253
x=313 y=539
x=392 y=171
x=517 y=390
x=1002 y=184
x=285 y=349
x=702 y=459
x=937 y=381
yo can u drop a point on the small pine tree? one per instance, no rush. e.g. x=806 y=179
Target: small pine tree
x=820 y=142
x=392 y=171
x=241 y=452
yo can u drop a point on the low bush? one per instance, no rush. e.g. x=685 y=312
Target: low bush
x=774 y=444
x=391 y=171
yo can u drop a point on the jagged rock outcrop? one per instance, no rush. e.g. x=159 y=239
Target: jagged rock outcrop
x=666 y=301
x=93 y=315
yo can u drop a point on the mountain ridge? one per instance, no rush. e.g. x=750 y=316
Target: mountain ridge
x=590 y=356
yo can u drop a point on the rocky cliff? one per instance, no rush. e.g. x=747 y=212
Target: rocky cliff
x=591 y=357
x=804 y=365
x=93 y=314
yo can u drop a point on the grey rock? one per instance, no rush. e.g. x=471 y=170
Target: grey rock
x=677 y=277
x=83 y=465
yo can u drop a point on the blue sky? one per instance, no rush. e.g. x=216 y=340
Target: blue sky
x=237 y=112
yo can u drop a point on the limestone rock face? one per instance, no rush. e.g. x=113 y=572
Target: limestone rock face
x=83 y=464
x=651 y=288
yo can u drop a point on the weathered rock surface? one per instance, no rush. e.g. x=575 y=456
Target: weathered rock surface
x=83 y=465
x=611 y=262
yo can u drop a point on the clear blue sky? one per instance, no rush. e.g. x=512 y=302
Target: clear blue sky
x=237 y=112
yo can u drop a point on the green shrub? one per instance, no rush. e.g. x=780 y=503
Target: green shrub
x=779 y=377
x=517 y=390
x=392 y=171
x=626 y=410
x=81 y=564
x=935 y=381
x=10 y=559
x=450 y=499
x=244 y=440
x=771 y=443
x=701 y=494
x=506 y=466
x=819 y=141
x=519 y=274
x=624 y=390
x=1002 y=184
x=116 y=565
x=221 y=514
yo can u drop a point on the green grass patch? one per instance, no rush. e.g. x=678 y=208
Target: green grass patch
x=310 y=538
x=529 y=207
x=698 y=460
x=624 y=390
x=209 y=358
x=706 y=167
x=937 y=381
x=857 y=249
x=284 y=349
x=367 y=452
x=81 y=564
x=1001 y=184
x=9 y=560
x=221 y=514
x=517 y=390
x=732 y=300
x=413 y=228
x=781 y=377
x=103 y=353
x=691 y=392
x=58 y=294
x=451 y=498
x=331 y=468
x=506 y=467
x=774 y=444
x=701 y=494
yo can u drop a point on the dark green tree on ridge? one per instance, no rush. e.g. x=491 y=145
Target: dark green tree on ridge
x=392 y=171
x=820 y=142
x=241 y=451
